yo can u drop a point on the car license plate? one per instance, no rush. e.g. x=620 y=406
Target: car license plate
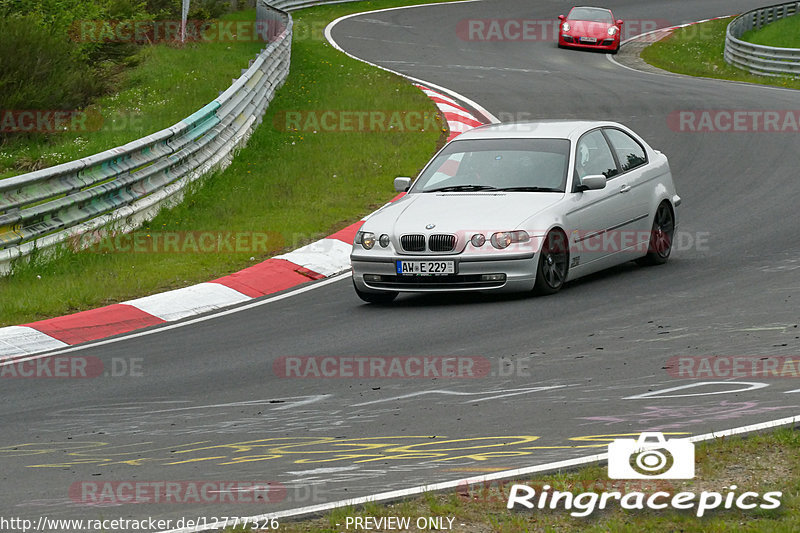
x=588 y=40
x=426 y=268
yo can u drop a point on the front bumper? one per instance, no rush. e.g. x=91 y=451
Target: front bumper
x=609 y=44
x=519 y=272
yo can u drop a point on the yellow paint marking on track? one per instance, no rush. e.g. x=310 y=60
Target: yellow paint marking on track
x=306 y=450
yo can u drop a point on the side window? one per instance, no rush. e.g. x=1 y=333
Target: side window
x=593 y=156
x=630 y=153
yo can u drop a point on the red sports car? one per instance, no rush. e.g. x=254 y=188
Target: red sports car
x=591 y=28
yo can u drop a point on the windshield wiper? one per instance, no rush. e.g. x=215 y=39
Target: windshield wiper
x=531 y=189
x=454 y=188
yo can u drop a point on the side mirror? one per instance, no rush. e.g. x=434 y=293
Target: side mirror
x=593 y=182
x=561 y=18
x=402 y=184
x=619 y=22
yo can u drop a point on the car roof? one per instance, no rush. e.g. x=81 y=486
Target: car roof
x=539 y=129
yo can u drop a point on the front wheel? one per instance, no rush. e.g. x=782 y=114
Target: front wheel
x=660 y=245
x=552 y=270
x=375 y=297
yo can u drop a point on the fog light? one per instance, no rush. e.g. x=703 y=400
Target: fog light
x=493 y=277
x=372 y=277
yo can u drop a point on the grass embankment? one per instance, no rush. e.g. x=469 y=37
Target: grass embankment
x=300 y=185
x=783 y=33
x=758 y=463
x=144 y=88
x=698 y=51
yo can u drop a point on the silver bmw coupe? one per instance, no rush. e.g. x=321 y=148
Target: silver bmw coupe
x=520 y=207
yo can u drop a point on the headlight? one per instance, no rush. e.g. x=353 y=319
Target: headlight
x=365 y=239
x=613 y=30
x=503 y=239
x=565 y=26
x=384 y=240
x=478 y=240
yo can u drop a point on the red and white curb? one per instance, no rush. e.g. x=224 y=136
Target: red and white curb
x=321 y=259
x=458 y=118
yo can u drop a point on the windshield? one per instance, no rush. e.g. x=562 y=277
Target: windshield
x=535 y=165
x=590 y=14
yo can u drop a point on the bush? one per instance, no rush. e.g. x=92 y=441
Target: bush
x=41 y=68
x=45 y=65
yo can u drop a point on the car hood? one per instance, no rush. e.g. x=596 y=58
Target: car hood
x=585 y=28
x=460 y=211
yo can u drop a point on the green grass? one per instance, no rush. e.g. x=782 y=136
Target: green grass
x=299 y=185
x=167 y=84
x=783 y=33
x=698 y=51
x=759 y=463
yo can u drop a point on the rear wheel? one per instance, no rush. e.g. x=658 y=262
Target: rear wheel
x=552 y=270
x=660 y=245
x=375 y=297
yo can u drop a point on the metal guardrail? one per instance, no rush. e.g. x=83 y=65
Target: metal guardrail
x=126 y=186
x=756 y=58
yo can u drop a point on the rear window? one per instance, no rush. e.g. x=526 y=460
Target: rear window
x=630 y=153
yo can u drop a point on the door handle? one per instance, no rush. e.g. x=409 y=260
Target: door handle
x=625 y=188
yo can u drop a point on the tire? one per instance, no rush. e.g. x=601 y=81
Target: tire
x=660 y=245
x=376 y=297
x=553 y=264
x=614 y=51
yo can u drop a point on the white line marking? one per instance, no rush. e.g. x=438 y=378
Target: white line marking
x=518 y=472
x=748 y=386
x=305 y=400
x=475 y=105
x=495 y=394
x=161 y=329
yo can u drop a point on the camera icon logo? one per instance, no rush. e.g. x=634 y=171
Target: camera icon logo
x=651 y=456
